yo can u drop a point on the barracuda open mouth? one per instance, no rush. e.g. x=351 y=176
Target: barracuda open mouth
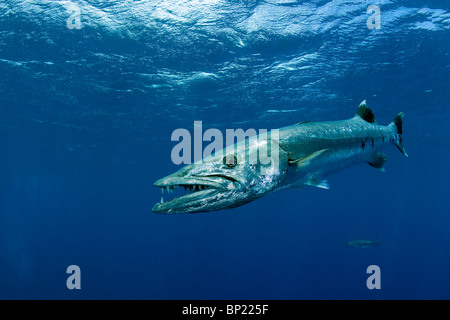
x=175 y=190
x=192 y=193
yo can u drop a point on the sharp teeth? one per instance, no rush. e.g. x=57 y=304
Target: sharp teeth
x=162 y=199
x=162 y=190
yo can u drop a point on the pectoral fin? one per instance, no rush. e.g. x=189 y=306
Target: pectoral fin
x=301 y=162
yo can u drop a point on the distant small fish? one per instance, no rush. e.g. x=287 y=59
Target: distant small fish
x=363 y=243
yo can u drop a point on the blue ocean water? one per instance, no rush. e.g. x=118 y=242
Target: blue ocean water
x=91 y=92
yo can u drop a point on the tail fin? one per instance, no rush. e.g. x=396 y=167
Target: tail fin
x=398 y=121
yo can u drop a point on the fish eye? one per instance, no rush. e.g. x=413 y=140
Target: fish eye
x=230 y=161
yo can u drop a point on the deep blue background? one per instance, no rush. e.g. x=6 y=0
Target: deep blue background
x=85 y=123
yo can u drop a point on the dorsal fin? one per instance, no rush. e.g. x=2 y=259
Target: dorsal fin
x=365 y=113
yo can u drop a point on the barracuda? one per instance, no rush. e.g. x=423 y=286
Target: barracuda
x=306 y=153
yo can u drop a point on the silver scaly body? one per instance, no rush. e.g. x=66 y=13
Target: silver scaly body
x=307 y=153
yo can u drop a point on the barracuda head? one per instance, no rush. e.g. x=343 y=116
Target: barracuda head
x=230 y=178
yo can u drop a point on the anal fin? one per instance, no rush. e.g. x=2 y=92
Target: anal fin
x=378 y=161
